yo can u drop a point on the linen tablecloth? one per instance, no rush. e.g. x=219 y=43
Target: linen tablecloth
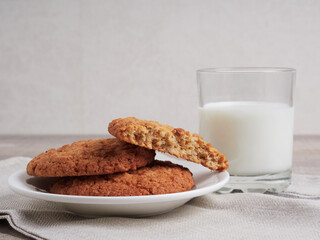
x=294 y=214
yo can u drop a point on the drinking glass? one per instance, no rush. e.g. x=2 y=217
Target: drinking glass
x=247 y=114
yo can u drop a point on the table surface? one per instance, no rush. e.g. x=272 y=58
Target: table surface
x=306 y=158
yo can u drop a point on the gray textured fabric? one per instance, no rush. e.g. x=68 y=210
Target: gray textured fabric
x=294 y=214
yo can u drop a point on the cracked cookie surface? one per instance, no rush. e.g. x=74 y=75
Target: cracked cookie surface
x=90 y=157
x=160 y=177
x=164 y=138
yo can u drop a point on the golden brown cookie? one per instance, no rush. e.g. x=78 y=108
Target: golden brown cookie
x=157 y=178
x=164 y=138
x=90 y=157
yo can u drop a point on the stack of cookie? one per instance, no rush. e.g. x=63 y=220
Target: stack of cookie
x=125 y=166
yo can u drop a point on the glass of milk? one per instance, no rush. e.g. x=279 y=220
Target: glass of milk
x=247 y=114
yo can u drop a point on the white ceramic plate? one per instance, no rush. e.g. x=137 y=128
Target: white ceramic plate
x=206 y=181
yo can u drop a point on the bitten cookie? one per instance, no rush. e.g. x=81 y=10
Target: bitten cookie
x=90 y=157
x=164 y=138
x=157 y=178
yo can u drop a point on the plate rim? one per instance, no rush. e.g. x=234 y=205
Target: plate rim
x=223 y=178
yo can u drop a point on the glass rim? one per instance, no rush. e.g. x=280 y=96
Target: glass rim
x=246 y=70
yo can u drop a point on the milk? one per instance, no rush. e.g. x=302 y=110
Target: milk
x=256 y=137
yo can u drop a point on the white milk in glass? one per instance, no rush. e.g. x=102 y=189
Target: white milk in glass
x=256 y=137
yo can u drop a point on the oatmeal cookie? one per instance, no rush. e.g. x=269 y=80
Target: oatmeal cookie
x=164 y=138
x=90 y=157
x=157 y=178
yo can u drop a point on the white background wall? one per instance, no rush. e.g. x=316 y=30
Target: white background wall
x=69 y=67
